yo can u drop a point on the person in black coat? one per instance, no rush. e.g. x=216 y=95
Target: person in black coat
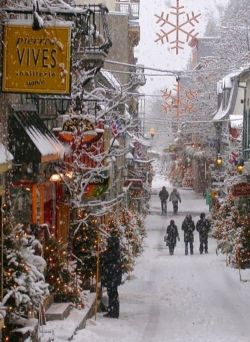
x=203 y=227
x=172 y=236
x=163 y=194
x=111 y=274
x=188 y=228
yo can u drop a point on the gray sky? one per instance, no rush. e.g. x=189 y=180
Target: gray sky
x=157 y=55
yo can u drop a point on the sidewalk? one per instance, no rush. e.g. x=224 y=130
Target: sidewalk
x=64 y=330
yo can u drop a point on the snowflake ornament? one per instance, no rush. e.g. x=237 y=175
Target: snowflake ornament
x=181 y=26
x=180 y=98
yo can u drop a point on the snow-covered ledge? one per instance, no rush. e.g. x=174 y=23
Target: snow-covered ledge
x=5 y=159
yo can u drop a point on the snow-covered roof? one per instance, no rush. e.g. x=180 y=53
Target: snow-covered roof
x=143 y=141
x=46 y=143
x=112 y=80
x=144 y=161
x=219 y=87
x=5 y=155
x=227 y=80
x=114 y=143
x=222 y=113
x=27 y=22
x=236 y=121
x=129 y=155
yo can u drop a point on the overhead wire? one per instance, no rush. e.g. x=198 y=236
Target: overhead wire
x=173 y=72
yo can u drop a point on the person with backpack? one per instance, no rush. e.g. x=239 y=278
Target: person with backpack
x=163 y=194
x=172 y=235
x=203 y=227
x=188 y=228
x=175 y=198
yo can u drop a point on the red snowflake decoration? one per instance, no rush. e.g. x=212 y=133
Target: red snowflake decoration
x=182 y=26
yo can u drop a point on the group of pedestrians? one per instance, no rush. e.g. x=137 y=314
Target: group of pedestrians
x=174 y=197
x=188 y=226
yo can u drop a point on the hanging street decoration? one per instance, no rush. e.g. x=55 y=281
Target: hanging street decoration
x=90 y=133
x=181 y=26
x=179 y=99
x=185 y=101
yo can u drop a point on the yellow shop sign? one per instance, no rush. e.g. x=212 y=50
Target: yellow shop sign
x=36 y=61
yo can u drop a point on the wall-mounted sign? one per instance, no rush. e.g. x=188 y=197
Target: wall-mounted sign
x=90 y=133
x=36 y=61
x=241 y=190
x=134 y=184
x=98 y=185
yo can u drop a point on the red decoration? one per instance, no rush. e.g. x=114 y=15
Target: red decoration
x=241 y=190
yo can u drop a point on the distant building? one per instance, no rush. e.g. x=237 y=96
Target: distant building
x=202 y=49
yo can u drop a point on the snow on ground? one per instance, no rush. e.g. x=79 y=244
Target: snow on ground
x=176 y=298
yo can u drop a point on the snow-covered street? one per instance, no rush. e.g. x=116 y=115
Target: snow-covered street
x=177 y=298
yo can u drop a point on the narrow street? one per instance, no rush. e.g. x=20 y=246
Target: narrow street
x=177 y=298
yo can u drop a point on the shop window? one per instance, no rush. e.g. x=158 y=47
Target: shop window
x=1 y=180
x=21 y=199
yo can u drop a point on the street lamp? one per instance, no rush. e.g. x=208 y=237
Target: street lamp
x=62 y=105
x=240 y=166
x=218 y=160
x=152 y=132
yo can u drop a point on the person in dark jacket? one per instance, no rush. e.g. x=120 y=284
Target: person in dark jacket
x=163 y=194
x=172 y=236
x=203 y=227
x=175 y=198
x=188 y=228
x=111 y=274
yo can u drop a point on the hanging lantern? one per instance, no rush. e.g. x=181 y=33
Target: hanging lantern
x=218 y=161
x=240 y=166
x=152 y=132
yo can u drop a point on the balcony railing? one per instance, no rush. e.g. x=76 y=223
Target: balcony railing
x=129 y=7
x=96 y=35
x=91 y=31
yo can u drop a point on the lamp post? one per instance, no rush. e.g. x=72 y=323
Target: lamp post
x=178 y=102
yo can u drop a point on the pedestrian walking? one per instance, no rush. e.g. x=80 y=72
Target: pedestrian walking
x=188 y=228
x=111 y=274
x=175 y=198
x=172 y=235
x=163 y=194
x=203 y=227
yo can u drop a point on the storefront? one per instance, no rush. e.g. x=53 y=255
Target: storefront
x=35 y=153
x=5 y=165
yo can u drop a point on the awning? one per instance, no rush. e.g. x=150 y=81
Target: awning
x=111 y=79
x=30 y=139
x=143 y=161
x=134 y=183
x=5 y=159
x=143 y=141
